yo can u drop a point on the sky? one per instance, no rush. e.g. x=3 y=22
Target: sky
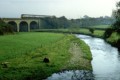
x=68 y=8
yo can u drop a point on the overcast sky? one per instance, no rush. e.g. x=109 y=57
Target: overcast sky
x=68 y=8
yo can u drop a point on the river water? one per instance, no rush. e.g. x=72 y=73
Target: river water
x=105 y=63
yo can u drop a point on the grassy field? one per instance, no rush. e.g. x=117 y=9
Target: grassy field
x=98 y=32
x=23 y=54
x=24 y=43
x=101 y=26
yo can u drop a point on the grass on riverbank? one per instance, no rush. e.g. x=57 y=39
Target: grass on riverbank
x=24 y=54
x=80 y=55
x=98 y=30
x=101 y=26
x=114 y=39
x=97 y=33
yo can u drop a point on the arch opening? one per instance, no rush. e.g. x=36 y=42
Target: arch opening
x=14 y=25
x=33 y=25
x=23 y=26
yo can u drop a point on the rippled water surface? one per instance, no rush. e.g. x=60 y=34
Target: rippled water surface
x=105 y=63
x=106 y=59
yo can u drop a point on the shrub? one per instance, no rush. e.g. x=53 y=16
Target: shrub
x=5 y=28
x=91 y=30
x=108 y=32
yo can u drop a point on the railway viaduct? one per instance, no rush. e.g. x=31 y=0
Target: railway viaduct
x=26 y=23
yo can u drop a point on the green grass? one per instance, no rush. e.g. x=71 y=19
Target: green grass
x=113 y=38
x=81 y=30
x=24 y=42
x=85 y=31
x=101 y=26
x=99 y=33
x=25 y=52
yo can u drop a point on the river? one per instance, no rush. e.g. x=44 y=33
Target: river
x=105 y=63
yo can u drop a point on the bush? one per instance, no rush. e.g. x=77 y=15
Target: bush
x=91 y=30
x=5 y=28
x=108 y=32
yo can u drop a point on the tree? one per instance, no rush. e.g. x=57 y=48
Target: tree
x=108 y=33
x=86 y=16
x=116 y=14
x=115 y=26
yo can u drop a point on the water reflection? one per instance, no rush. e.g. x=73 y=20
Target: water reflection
x=72 y=75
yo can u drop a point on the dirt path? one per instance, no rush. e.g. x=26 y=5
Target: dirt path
x=77 y=60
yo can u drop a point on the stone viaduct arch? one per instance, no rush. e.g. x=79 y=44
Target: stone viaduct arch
x=34 y=25
x=14 y=24
x=23 y=25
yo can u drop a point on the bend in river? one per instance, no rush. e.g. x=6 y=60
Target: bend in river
x=106 y=59
x=105 y=63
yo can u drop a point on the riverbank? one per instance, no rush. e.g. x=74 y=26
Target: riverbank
x=104 y=57
x=97 y=32
x=22 y=55
x=114 y=39
x=81 y=56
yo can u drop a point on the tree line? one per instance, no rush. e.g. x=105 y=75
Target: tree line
x=86 y=21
